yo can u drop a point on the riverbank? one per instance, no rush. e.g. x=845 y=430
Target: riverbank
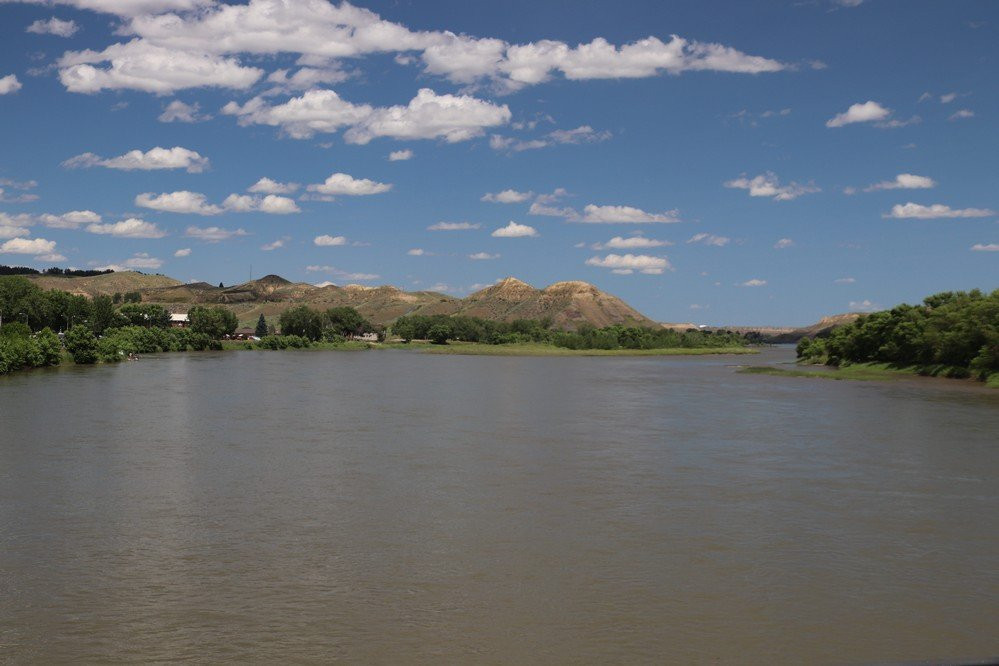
x=863 y=372
x=538 y=349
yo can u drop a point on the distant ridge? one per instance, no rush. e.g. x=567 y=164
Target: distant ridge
x=567 y=304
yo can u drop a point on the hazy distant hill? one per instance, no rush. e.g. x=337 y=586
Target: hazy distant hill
x=567 y=304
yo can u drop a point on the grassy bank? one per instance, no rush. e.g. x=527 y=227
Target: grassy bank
x=856 y=372
x=539 y=349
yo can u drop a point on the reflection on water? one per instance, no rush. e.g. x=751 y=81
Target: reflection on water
x=395 y=507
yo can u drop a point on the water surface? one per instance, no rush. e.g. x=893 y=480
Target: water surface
x=393 y=507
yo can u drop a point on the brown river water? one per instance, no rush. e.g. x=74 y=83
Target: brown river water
x=394 y=507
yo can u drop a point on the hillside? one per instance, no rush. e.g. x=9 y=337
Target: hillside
x=567 y=304
x=108 y=283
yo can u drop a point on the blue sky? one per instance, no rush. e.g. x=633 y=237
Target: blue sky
x=716 y=162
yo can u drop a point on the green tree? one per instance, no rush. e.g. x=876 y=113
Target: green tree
x=345 y=321
x=103 y=315
x=81 y=344
x=215 y=322
x=302 y=321
x=145 y=314
x=438 y=334
x=261 y=329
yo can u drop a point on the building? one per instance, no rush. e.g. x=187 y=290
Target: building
x=179 y=320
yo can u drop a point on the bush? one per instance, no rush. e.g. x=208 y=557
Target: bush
x=81 y=344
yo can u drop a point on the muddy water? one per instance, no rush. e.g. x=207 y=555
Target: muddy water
x=391 y=507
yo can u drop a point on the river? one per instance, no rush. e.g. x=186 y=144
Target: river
x=396 y=507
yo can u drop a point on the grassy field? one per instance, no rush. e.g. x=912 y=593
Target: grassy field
x=539 y=349
x=864 y=372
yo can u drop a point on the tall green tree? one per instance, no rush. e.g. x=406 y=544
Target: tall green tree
x=215 y=322
x=261 y=329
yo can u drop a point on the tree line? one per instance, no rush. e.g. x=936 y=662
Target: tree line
x=955 y=333
x=439 y=329
x=59 y=272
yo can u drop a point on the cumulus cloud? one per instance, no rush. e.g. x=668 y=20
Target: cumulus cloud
x=345 y=184
x=141 y=65
x=581 y=134
x=143 y=260
x=9 y=228
x=329 y=241
x=27 y=246
x=453 y=226
x=864 y=306
x=784 y=243
x=507 y=196
x=539 y=208
x=154 y=158
x=709 y=239
x=341 y=274
x=452 y=118
x=963 y=114
x=53 y=26
x=625 y=214
x=128 y=228
x=918 y=211
x=176 y=47
x=276 y=205
x=269 y=247
x=179 y=112
x=869 y=111
x=768 y=185
x=514 y=230
x=903 y=181
x=755 y=282
x=417 y=252
x=481 y=256
x=625 y=264
x=213 y=234
x=985 y=247
x=305 y=78
x=183 y=252
x=9 y=84
x=400 y=155
x=267 y=186
x=630 y=243
x=182 y=201
x=845 y=280
x=74 y=219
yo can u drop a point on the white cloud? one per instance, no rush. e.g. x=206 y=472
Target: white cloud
x=183 y=252
x=129 y=228
x=268 y=247
x=784 y=243
x=867 y=112
x=624 y=264
x=630 y=243
x=768 y=185
x=26 y=246
x=140 y=65
x=306 y=78
x=483 y=256
x=143 y=260
x=514 y=230
x=9 y=84
x=709 y=239
x=864 y=306
x=181 y=201
x=845 y=280
x=497 y=142
x=417 y=252
x=342 y=183
x=11 y=230
x=983 y=247
x=154 y=158
x=948 y=98
x=755 y=282
x=341 y=274
x=329 y=241
x=453 y=226
x=51 y=256
x=538 y=208
x=903 y=181
x=53 y=26
x=179 y=112
x=400 y=155
x=213 y=234
x=625 y=214
x=71 y=220
x=581 y=134
x=275 y=205
x=427 y=116
x=936 y=211
x=507 y=196
x=267 y=186
x=962 y=115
